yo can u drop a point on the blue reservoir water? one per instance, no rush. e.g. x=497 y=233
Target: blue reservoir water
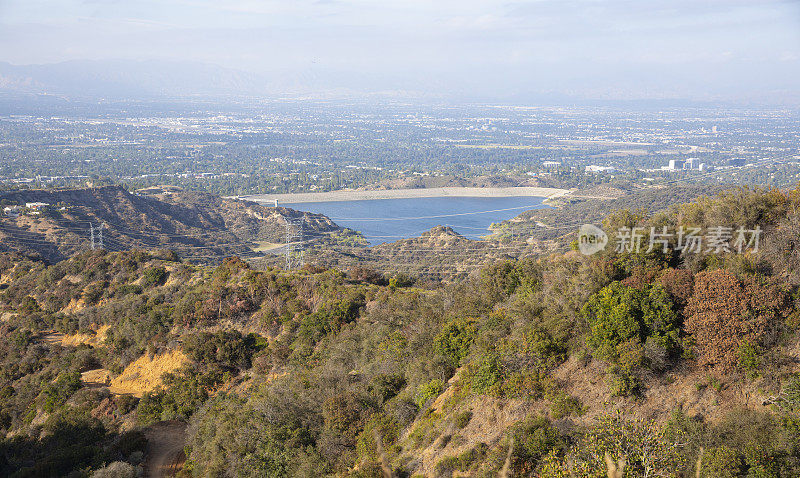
x=389 y=220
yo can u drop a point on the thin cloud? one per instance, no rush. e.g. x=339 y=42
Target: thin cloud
x=475 y=45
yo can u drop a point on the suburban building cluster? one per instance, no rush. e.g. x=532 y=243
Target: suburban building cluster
x=32 y=208
x=687 y=164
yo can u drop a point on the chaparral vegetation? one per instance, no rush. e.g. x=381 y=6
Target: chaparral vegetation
x=649 y=363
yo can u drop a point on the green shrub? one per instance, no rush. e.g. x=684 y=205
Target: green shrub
x=29 y=305
x=181 y=395
x=722 y=462
x=329 y=319
x=623 y=378
x=155 y=276
x=749 y=358
x=533 y=439
x=455 y=339
x=631 y=328
x=71 y=442
x=378 y=426
x=428 y=391
x=563 y=405
x=502 y=279
x=400 y=280
x=94 y=291
x=487 y=375
x=548 y=351
x=387 y=386
x=462 y=419
x=618 y=314
x=345 y=415
x=129 y=289
x=57 y=393
x=125 y=444
x=226 y=348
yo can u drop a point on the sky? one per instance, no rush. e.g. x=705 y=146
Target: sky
x=619 y=49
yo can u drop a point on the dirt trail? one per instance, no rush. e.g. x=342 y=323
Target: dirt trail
x=165 y=442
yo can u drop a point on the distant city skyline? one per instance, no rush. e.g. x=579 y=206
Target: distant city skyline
x=607 y=49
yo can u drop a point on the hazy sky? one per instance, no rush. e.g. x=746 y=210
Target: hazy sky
x=592 y=48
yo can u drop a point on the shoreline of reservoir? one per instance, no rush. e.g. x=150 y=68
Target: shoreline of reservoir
x=367 y=195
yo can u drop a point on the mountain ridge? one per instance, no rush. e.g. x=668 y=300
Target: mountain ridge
x=125 y=79
x=195 y=225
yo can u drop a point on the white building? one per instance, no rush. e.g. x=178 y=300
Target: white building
x=691 y=163
x=551 y=164
x=36 y=207
x=599 y=169
x=675 y=164
x=11 y=211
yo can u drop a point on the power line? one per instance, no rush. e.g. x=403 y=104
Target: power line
x=294 y=248
x=430 y=217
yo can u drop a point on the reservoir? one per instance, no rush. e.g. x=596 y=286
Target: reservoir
x=389 y=220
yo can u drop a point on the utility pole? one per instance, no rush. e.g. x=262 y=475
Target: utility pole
x=91 y=231
x=294 y=243
x=101 y=235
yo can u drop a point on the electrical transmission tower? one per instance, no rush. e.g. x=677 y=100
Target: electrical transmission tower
x=294 y=243
x=99 y=239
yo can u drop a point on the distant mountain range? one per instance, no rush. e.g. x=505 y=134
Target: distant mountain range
x=126 y=80
x=121 y=79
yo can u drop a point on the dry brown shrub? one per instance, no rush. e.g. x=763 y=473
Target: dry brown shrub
x=725 y=312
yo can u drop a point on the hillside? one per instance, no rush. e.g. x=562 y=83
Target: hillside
x=195 y=225
x=438 y=254
x=593 y=204
x=660 y=362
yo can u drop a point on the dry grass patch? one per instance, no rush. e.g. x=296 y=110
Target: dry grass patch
x=96 y=378
x=6 y=316
x=75 y=305
x=144 y=375
x=94 y=339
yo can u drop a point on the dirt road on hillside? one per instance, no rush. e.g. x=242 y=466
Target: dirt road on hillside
x=165 y=442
